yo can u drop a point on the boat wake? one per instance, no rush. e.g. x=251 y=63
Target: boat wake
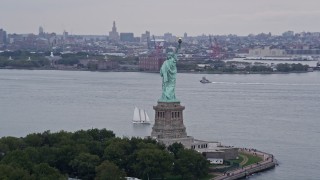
x=275 y=84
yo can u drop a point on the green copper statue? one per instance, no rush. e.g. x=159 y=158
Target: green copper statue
x=168 y=73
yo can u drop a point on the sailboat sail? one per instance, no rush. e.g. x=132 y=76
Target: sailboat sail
x=140 y=116
x=147 y=117
x=136 y=115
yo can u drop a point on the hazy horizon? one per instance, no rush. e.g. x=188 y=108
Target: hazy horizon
x=193 y=17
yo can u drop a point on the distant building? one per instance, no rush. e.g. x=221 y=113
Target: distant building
x=65 y=34
x=267 y=52
x=13 y=38
x=114 y=54
x=3 y=36
x=169 y=37
x=107 y=64
x=127 y=37
x=41 y=31
x=315 y=34
x=288 y=34
x=137 y=39
x=203 y=66
x=305 y=50
x=99 y=64
x=145 y=37
x=114 y=35
x=151 y=63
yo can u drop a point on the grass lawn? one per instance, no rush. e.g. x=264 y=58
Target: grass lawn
x=243 y=160
x=239 y=160
x=252 y=159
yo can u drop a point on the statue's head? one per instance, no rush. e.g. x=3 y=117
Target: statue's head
x=170 y=55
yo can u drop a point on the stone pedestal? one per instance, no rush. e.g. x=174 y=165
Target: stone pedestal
x=168 y=127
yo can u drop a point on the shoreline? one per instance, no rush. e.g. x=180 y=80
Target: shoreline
x=181 y=71
x=268 y=162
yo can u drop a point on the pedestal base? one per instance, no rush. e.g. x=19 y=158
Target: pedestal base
x=168 y=121
x=187 y=141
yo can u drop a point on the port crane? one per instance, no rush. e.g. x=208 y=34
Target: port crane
x=217 y=53
x=157 y=46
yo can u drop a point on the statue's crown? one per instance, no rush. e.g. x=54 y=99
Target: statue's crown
x=170 y=54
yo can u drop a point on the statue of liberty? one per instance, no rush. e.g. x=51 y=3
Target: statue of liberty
x=168 y=73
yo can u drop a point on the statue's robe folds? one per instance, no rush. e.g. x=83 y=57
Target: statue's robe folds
x=168 y=73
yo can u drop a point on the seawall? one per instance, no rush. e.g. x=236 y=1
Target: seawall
x=268 y=162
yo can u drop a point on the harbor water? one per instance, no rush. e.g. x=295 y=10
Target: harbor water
x=274 y=113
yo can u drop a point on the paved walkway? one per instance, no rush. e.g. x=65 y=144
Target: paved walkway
x=268 y=162
x=245 y=160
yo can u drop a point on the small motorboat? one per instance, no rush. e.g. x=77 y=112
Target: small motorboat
x=204 y=80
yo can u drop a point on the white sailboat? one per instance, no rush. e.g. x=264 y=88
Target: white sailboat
x=140 y=116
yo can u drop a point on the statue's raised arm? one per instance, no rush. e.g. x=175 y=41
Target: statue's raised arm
x=168 y=73
x=179 y=46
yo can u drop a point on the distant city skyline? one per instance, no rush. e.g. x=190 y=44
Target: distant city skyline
x=177 y=17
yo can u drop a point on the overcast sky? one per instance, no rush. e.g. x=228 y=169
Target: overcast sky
x=195 y=17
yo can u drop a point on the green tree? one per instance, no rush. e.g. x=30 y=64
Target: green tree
x=135 y=145
x=190 y=164
x=58 y=138
x=48 y=155
x=44 y=171
x=96 y=147
x=92 y=66
x=3 y=150
x=18 y=158
x=65 y=154
x=100 y=135
x=175 y=148
x=153 y=163
x=138 y=143
x=81 y=136
x=13 y=143
x=218 y=64
x=68 y=61
x=35 y=140
x=84 y=165
x=109 y=171
x=118 y=151
x=3 y=62
x=283 y=67
x=260 y=69
x=93 y=135
x=13 y=173
x=299 y=67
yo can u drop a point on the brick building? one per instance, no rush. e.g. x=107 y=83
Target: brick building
x=151 y=63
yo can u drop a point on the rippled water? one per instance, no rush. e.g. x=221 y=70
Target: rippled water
x=276 y=113
x=310 y=63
